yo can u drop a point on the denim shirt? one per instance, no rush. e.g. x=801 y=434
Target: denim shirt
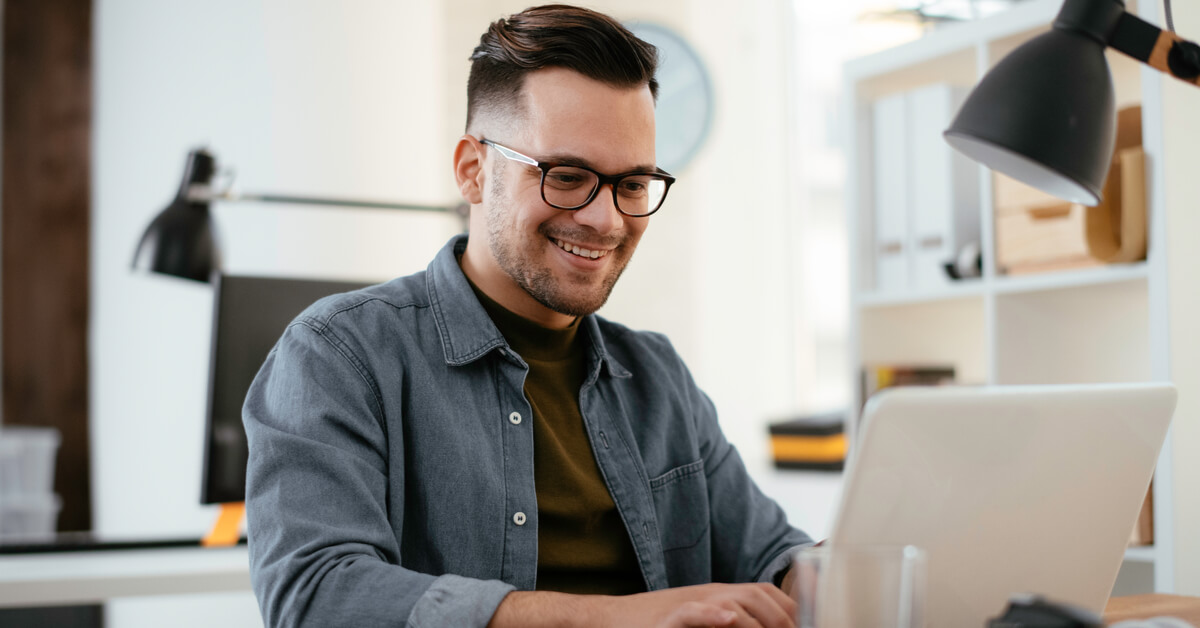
x=391 y=476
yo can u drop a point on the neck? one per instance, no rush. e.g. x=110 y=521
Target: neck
x=502 y=289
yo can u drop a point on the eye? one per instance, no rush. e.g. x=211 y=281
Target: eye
x=568 y=178
x=633 y=186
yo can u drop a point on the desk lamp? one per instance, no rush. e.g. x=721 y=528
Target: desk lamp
x=180 y=240
x=1045 y=115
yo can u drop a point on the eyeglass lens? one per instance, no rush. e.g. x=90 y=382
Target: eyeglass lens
x=568 y=188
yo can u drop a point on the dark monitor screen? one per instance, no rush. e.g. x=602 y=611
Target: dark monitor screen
x=250 y=315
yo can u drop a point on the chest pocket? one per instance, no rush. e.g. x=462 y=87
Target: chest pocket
x=681 y=501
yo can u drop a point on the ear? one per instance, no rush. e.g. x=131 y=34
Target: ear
x=468 y=169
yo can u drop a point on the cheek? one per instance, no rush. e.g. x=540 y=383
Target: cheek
x=520 y=208
x=534 y=214
x=636 y=227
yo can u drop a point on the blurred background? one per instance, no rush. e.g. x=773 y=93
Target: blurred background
x=745 y=268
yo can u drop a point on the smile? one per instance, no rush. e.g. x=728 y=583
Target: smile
x=581 y=252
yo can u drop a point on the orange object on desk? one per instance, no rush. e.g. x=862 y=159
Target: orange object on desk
x=1150 y=605
x=227 y=529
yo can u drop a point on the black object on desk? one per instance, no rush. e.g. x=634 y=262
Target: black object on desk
x=1031 y=611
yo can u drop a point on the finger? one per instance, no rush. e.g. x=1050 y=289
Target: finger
x=745 y=618
x=762 y=603
x=785 y=601
x=699 y=614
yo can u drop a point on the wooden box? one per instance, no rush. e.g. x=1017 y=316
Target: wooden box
x=1040 y=233
x=1036 y=232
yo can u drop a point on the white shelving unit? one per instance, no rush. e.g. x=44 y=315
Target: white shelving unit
x=1102 y=324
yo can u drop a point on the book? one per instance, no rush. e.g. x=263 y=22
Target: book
x=814 y=442
x=880 y=376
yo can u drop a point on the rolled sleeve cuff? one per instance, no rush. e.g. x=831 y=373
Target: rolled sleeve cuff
x=457 y=601
x=775 y=569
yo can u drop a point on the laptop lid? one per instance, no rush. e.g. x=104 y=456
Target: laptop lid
x=1008 y=489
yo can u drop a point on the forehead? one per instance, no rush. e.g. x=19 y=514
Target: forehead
x=567 y=113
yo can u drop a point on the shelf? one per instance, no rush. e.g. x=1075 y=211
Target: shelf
x=963 y=290
x=1140 y=554
x=1019 y=284
x=1114 y=273
x=955 y=38
x=1101 y=324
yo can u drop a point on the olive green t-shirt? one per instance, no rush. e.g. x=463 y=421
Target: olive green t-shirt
x=583 y=546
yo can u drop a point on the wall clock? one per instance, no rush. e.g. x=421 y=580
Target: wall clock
x=683 y=116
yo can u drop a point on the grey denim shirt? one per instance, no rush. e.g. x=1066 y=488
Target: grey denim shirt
x=391 y=477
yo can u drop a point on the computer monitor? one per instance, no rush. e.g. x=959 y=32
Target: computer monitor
x=250 y=314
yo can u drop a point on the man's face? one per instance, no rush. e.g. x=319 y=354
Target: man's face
x=568 y=117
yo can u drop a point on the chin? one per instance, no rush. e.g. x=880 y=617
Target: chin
x=579 y=302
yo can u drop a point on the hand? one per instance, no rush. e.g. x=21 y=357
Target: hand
x=725 y=605
x=720 y=605
x=789 y=579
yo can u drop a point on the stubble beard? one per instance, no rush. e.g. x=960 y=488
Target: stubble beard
x=518 y=260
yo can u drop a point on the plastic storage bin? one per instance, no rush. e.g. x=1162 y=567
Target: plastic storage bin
x=29 y=518
x=27 y=461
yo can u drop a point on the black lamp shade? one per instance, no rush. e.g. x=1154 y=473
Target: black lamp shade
x=180 y=241
x=1045 y=116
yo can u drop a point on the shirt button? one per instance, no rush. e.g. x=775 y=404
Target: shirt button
x=519 y=518
x=515 y=418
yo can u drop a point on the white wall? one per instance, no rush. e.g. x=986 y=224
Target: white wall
x=301 y=97
x=366 y=99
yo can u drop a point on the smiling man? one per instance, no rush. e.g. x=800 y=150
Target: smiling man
x=472 y=445
x=557 y=238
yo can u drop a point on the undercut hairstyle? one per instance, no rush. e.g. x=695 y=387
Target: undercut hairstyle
x=553 y=36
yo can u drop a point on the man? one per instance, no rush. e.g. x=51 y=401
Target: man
x=471 y=445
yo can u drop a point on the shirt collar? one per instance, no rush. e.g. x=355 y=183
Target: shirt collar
x=591 y=325
x=466 y=331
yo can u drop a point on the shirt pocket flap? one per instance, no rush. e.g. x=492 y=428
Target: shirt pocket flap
x=681 y=504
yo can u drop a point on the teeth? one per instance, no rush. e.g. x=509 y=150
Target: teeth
x=574 y=248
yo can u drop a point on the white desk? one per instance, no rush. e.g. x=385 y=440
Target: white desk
x=83 y=577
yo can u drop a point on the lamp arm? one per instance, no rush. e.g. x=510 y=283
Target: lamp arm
x=204 y=193
x=1161 y=49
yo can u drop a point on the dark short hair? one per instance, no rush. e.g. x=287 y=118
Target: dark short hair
x=555 y=35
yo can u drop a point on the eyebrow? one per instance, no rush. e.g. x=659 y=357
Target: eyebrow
x=571 y=160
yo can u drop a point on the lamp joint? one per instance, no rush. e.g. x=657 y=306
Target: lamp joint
x=1096 y=19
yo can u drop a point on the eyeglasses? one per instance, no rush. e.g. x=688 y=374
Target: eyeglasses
x=571 y=187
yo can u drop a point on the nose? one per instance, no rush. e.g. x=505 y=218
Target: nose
x=601 y=214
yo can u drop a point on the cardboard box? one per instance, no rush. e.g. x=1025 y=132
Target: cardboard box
x=1040 y=233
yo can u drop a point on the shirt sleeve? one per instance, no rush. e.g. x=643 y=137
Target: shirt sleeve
x=751 y=538
x=323 y=550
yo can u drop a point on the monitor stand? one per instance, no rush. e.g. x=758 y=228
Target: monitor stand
x=226 y=531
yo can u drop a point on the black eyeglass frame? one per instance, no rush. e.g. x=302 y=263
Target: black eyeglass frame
x=601 y=179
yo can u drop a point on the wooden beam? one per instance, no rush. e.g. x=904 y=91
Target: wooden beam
x=44 y=232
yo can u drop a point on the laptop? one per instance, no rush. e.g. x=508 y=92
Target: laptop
x=1021 y=489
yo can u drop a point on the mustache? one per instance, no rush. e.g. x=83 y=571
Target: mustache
x=584 y=235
